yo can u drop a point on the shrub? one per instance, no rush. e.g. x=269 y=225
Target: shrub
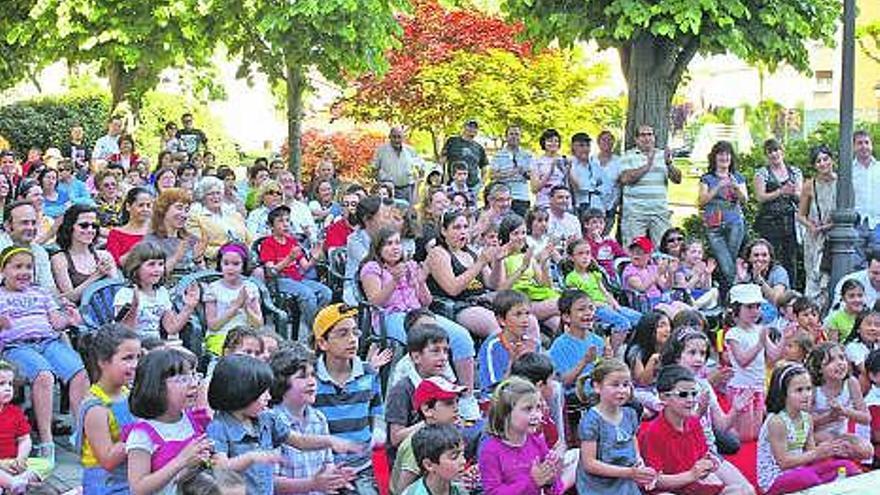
x=46 y=121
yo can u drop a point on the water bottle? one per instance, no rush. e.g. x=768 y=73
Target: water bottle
x=841 y=473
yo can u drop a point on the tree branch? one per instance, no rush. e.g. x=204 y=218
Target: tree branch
x=683 y=59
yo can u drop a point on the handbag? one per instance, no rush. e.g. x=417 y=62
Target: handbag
x=825 y=260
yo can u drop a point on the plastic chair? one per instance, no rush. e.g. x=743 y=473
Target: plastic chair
x=96 y=303
x=287 y=303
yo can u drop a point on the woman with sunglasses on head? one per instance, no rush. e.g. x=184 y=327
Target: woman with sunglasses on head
x=79 y=264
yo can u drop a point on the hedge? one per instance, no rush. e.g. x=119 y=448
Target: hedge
x=46 y=121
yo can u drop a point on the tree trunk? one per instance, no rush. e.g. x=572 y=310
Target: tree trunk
x=653 y=68
x=122 y=83
x=296 y=86
x=435 y=143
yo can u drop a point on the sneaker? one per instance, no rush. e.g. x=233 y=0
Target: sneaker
x=468 y=408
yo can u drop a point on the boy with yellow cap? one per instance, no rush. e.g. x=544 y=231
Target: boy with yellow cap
x=348 y=393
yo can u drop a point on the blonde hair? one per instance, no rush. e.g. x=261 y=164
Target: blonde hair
x=507 y=394
x=600 y=372
x=167 y=198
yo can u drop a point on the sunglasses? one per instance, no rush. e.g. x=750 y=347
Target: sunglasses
x=675 y=239
x=684 y=394
x=88 y=225
x=277 y=193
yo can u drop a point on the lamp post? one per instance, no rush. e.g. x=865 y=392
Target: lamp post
x=843 y=235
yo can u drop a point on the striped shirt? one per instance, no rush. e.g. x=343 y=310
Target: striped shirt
x=303 y=464
x=28 y=312
x=350 y=407
x=648 y=195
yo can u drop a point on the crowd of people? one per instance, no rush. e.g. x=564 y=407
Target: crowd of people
x=500 y=323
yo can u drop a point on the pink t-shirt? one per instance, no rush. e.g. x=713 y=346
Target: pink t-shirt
x=605 y=252
x=404 y=297
x=644 y=275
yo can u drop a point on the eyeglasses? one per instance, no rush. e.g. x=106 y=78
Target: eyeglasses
x=646 y=134
x=345 y=334
x=185 y=378
x=88 y=225
x=348 y=204
x=675 y=239
x=277 y=193
x=684 y=394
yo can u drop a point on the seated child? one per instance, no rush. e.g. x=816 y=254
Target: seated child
x=404 y=366
x=806 y=313
x=872 y=400
x=643 y=357
x=293 y=393
x=499 y=350
x=651 y=280
x=437 y=403
x=789 y=460
x=605 y=249
x=841 y=321
x=15 y=441
x=577 y=350
x=230 y=301
x=694 y=275
x=864 y=338
x=438 y=453
x=674 y=445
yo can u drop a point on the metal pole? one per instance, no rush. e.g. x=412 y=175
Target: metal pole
x=843 y=235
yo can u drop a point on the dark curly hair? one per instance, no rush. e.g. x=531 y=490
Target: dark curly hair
x=71 y=216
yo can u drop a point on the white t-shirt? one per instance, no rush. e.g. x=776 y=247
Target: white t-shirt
x=857 y=352
x=170 y=432
x=217 y=291
x=751 y=376
x=151 y=308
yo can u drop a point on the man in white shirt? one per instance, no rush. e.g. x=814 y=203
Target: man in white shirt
x=562 y=224
x=20 y=223
x=109 y=144
x=609 y=163
x=398 y=164
x=866 y=184
x=511 y=166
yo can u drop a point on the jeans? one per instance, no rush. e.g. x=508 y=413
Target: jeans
x=621 y=319
x=364 y=483
x=310 y=294
x=725 y=242
x=460 y=341
x=869 y=240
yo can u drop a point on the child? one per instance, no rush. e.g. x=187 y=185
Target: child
x=514 y=457
x=438 y=454
x=651 y=280
x=348 y=391
x=271 y=343
x=499 y=350
x=404 y=366
x=841 y=321
x=674 y=445
x=862 y=341
x=30 y=323
x=587 y=276
x=113 y=352
x=610 y=461
x=243 y=433
x=244 y=341
x=15 y=440
x=837 y=401
x=538 y=369
x=209 y=481
x=788 y=458
x=230 y=301
x=872 y=400
x=751 y=348
x=428 y=348
x=577 y=350
x=605 y=249
x=806 y=314
x=458 y=182
x=694 y=275
x=798 y=347
x=169 y=435
x=293 y=393
x=436 y=401
x=146 y=305
x=689 y=347
x=643 y=357
x=536 y=225
x=282 y=253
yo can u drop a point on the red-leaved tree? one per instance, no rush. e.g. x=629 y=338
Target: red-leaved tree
x=352 y=153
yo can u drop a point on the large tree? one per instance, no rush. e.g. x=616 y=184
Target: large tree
x=131 y=41
x=285 y=39
x=657 y=39
x=18 y=59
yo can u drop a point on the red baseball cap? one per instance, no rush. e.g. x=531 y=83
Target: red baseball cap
x=644 y=243
x=435 y=388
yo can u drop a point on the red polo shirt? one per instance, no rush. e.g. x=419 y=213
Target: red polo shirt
x=666 y=449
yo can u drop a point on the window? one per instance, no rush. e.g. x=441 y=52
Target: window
x=824 y=81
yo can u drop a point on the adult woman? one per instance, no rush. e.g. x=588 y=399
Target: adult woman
x=126 y=156
x=165 y=178
x=257 y=175
x=722 y=193
x=108 y=201
x=549 y=170
x=168 y=230
x=215 y=222
x=325 y=171
x=78 y=264
x=269 y=197
x=672 y=243
x=6 y=194
x=137 y=209
x=54 y=203
x=323 y=207
x=777 y=188
x=397 y=285
x=818 y=200
x=371 y=214
x=230 y=190
x=434 y=204
x=759 y=267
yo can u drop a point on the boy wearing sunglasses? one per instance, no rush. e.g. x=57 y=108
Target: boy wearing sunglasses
x=674 y=445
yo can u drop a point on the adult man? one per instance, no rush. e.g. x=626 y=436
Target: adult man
x=869 y=278
x=20 y=224
x=108 y=144
x=398 y=163
x=644 y=173
x=586 y=179
x=562 y=224
x=498 y=199
x=9 y=167
x=511 y=166
x=78 y=152
x=609 y=163
x=192 y=140
x=866 y=184
x=465 y=148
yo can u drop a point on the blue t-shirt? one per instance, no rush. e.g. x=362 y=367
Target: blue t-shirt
x=615 y=445
x=567 y=350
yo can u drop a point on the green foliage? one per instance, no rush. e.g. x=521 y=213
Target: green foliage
x=869 y=40
x=46 y=121
x=17 y=59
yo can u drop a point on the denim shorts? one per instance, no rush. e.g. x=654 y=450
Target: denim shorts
x=53 y=355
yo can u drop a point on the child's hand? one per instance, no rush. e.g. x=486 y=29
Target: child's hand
x=643 y=475
x=702 y=403
x=608 y=351
x=702 y=468
x=711 y=265
x=341 y=446
x=827 y=449
x=331 y=479
x=543 y=472
x=742 y=401
x=191 y=295
x=742 y=269
x=5 y=322
x=242 y=298
x=71 y=312
x=590 y=355
x=196 y=452
x=377 y=358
